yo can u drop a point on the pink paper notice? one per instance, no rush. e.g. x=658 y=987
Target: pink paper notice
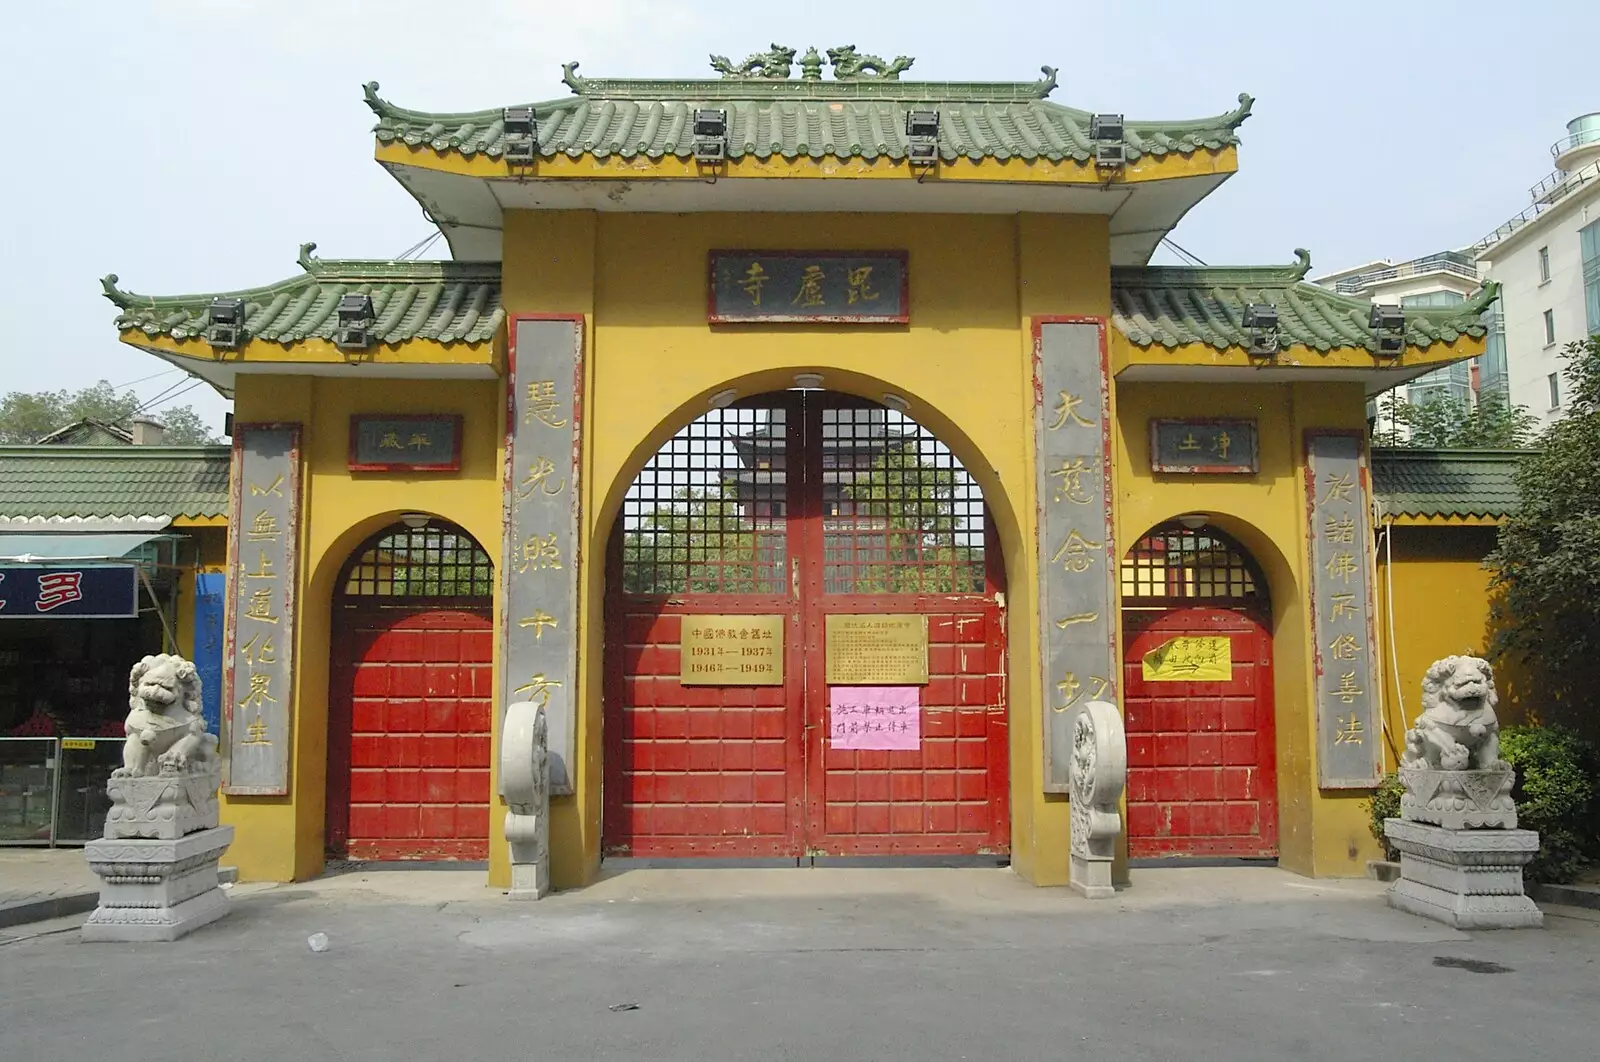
x=875 y=717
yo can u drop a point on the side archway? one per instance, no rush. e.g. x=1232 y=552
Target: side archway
x=1199 y=700
x=410 y=701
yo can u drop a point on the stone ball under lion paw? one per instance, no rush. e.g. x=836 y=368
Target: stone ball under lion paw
x=1453 y=759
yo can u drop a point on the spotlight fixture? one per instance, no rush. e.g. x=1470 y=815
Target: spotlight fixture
x=922 y=138
x=1261 y=321
x=225 y=323
x=1388 y=324
x=521 y=133
x=1106 y=130
x=354 y=331
x=710 y=134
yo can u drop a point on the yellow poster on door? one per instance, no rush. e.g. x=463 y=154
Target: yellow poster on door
x=1191 y=659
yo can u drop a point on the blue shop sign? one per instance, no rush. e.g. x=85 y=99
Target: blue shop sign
x=78 y=591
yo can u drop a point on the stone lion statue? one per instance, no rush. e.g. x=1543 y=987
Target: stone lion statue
x=1457 y=730
x=165 y=727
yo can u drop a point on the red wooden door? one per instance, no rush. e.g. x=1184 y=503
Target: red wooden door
x=800 y=505
x=410 y=722
x=410 y=698
x=1201 y=757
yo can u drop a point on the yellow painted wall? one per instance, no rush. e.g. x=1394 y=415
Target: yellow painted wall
x=963 y=362
x=1438 y=591
x=281 y=838
x=1320 y=833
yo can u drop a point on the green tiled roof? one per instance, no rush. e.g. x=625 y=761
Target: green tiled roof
x=452 y=302
x=1473 y=483
x=1171 y=306
x=852 y=117
x=113 y=481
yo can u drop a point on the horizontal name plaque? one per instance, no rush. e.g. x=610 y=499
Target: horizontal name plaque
x=417 y=443
x=777 y=286
x=1211 y=447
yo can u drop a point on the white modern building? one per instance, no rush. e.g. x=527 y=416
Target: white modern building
x=1441 y=279
x=1547 y=260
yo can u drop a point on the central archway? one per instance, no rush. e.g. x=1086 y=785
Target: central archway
x=773 y=514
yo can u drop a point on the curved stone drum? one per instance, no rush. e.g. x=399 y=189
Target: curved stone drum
x=1098 y=772
x=525 y=775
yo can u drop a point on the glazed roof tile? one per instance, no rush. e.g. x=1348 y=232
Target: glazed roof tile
x=1460 y=483
x=1166 y=306
x=113 y=481
x=451 y=302
x=856 y=117
x=1173 y=306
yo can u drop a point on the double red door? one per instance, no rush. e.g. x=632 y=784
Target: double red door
x=409 y=733
x=801 y=505
x=1201 y=775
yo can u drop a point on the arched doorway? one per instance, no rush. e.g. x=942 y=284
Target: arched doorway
x=1198 y=701
x=410 y=697
x=800 y=506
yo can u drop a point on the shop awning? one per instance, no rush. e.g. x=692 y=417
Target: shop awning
x=67 y=548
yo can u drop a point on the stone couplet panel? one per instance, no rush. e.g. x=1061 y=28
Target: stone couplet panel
x=540 y=564
x=259 y=643
x=1342 y=630
x=1077 y=558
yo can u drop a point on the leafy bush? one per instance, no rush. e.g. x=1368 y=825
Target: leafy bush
x=1385 y=804
x=1556 y=795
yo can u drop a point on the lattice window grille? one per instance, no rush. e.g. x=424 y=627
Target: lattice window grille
x=1177 y=562
x=427 y=562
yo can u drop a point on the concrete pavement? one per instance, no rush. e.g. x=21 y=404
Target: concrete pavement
x=811 y=964
x=41 y=883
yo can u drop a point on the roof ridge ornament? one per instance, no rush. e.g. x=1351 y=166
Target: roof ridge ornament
x=108 y=287
x=771 y=65
x=309 y=264
x=849 y=65
x=1235 y=118
x=1302 y=265
x=570 y=78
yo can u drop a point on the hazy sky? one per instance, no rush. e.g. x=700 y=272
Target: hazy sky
x=191 y=145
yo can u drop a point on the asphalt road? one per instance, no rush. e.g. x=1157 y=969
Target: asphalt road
x=899 y=970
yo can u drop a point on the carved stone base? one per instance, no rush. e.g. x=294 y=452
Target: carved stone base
x=157 y=889
x=164 y=806
x=1458 y=800
x=1091 y=877
x=530 y=881
x=1469 y=879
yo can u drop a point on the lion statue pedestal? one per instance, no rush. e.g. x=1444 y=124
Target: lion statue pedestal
x=1461 y=855
x=158 y=860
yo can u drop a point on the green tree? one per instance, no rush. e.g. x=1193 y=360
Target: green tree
x=905 y=517
x=1446 y=423
x=700 y=543
x=1546 y=565
x=904 y=536
x=27 y=417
